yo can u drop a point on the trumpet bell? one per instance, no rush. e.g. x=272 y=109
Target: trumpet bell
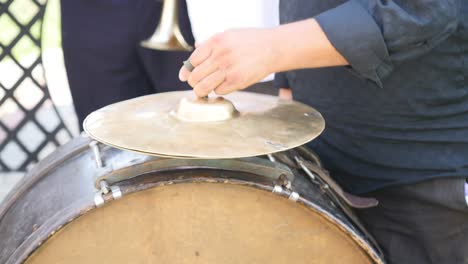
x=168 y=35
x=173 y=41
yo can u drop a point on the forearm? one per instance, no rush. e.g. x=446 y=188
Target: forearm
x=236 y=59
x=301 y=45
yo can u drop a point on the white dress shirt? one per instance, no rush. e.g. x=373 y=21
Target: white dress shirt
x=209 y=17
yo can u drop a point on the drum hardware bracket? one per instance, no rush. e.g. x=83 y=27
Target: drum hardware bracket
x=328 y=185
x=284 y=186
x=115 y=190
x=276 y=172
x=341 y=198
x=284 y=181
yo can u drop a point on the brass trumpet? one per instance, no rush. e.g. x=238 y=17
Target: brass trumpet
x=168 y=35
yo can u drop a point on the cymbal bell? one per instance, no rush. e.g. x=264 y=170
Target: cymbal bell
x=178 y=125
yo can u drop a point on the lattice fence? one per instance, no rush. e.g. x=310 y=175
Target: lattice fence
x=30 y=125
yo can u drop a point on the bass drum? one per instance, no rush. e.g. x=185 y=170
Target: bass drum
x=90 y=203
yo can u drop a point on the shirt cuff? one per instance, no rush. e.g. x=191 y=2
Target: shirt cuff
x=281 y=80
x=357 y=37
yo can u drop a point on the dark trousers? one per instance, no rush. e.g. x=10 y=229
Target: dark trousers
x=103 y=57
x=423 y=223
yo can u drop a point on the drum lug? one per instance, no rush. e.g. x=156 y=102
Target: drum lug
x=277 y=189
x=99 y=198
x=283 y=186
x=292 y=195
x=116 y=192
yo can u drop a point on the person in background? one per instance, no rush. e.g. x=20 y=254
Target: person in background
x=104 y=60
x=391 y=80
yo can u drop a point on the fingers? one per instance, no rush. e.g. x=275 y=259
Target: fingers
x=198 y=56
x=225 y=88
x=184 y=74
x=285 y=94
x=202 y=71
x=219 y=55
x=208 y=84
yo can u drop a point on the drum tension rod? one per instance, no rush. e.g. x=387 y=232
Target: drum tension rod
x=311 y=175
x=271 y=158
x=99 y=199
x=97 y=154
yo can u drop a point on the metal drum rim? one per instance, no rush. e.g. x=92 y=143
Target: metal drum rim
x=69 y=214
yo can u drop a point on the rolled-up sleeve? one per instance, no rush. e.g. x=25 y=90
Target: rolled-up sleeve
x=375 y=35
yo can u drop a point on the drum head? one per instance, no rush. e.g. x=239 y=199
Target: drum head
x=200 y=223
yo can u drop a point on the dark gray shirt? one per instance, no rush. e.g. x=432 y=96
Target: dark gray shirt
x=399 y=113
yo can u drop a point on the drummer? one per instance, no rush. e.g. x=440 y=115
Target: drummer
x=391 y=80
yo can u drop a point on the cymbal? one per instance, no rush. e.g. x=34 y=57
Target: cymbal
x=178 y=125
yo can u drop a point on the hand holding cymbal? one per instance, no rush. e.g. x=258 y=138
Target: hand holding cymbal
x=230 y=61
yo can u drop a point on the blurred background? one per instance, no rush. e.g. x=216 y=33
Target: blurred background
x=35 y=118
